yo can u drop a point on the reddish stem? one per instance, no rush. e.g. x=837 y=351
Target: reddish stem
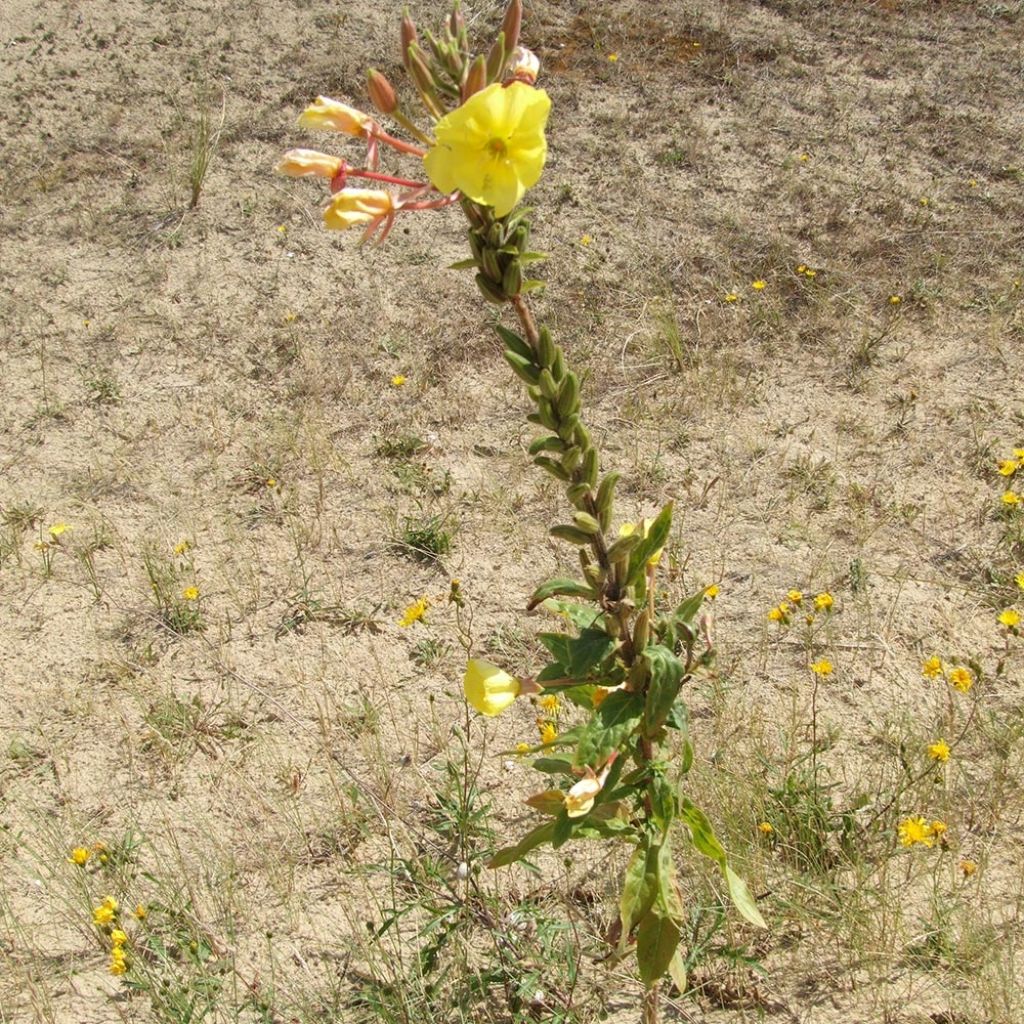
x=390 y=178
x=399 y=144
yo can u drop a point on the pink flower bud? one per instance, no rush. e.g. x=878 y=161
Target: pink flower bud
x=511 y=24
x=382 y=92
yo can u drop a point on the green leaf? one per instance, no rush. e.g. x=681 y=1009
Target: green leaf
x=587 y=651
x=656 y=943
x=663 y=801
x=582 y=616
x=666 y=675
x=553 y=670
x=550 y=803
x=559 y=764
x=741 y=898
x=561 y=585
x=518 y=345
x=619 y=714
x=463 y=265
x=677 y=971
x=562 y=829
x=689 y=608
x=639 y=887
x=532 y=257
x=655 y=539
x=537 y=837
x=557 y=645
x=668 y=893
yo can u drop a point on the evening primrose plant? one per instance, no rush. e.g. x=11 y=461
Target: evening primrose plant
x=624 y=658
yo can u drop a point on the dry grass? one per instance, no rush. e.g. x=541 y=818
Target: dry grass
x=286 y=777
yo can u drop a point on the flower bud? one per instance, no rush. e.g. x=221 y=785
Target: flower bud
x=382 y=92
x=476 y=79
x=302 y=163
x=523 y=66
x=331 y=115
x=511 y=24
x=355 y=206
x=409 y=38
x=488 y=688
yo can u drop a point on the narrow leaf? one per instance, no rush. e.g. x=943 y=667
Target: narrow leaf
x=561 y=585
x=742 y=899
x=540 y=835
x=655 y=539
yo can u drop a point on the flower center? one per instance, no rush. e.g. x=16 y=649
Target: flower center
x=497 y=148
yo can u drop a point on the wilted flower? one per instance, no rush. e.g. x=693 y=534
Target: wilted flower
x=333 y=116
x=524 y=66
x=580 y=798
x=302 y=163
x=492 y=148
x=352 y=207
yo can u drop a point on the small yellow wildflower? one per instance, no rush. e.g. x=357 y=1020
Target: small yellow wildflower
x=932 y=668
x=398 y=380
x=924 y=200
x=548 y=732
x=712 y=592
x=190 y=593
x=522 y=748
x=938 y=828
x=1010 y=618
x=57 y=529
x=824 y=601
x=585 y=240
x=1018 y=453
x=778 y=613
x=79 y=855
x=810 y=273
x=550 y=703
x=939 y=751
x=182 y=546
x=758 y=285
x=801 y=269
x=972 y=183
x=1008 y=467
x=415 y=612
x=141 y=912
x=102 y=914
x=118 y=937
x=895 y=300
x=916 y=830
x=823 y=667
x=1019 y=580
x=1010 y=498
x=731 y=297
x=613 y=57
x=281 y=229
x=968 y=867
x=117 y=965
x=271 y=482
x=961 y=678
x=765 y=828
x=795 y=596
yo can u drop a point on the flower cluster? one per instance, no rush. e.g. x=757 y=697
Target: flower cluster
x=796 y=602
x=914 y=831
x=960 y=677
x=106 y=917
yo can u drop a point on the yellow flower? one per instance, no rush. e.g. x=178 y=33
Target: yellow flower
x=778 y=614
x=801 y=269
x=1018 y=453
x=492 y=148
x=822 y=668
x=758 y=285
x=765 y=828
x=79 y=855
x=182 y=546
x=585 y=240
x=810 y=273
x=795 y=596
x=548 y=732
x=333 y=116
x=731 y=297
x=1010 y=618
x=972 y=183
x=804 y=157
x=939 y=751
x=141 y=912
x=894 y=300
x=302 y=163
x=1010 y=498
x=415 y=612
x=117 y=966
x=488 y=688
x=938 y=828
x=1007 y=467
x=271 y=482
x=824 y=601
x=102 y=914
x=57 y=529
x=118 y=937
x=551 y=704
x=712 y=592
x=613 y=57
x=522 y=748
x=1019 y=580
x=628 y=529
x=190 y=593
x=398 y=380
x=961 y=678
x=354 y=206
x=924 y=200
x=932 y=668
x=916 y=830
x=968 y=867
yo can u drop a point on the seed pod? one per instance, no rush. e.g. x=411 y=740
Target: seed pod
x=558 y=363
x=566 y=426
x=552 y=467
x=491 y=266
x=579 y=495
x=547 y=415
x=547 y=444
x=606 y=494
x=408 y=36
x=595 y=575
x=590 y=466
x=572 y=458
x=514 y=342
x=492 y=293
x=569 y=394
x=532 y=390
x=547 y=385
x=511 y=24
x=545 y=348
x=570 y=533
x=423 y=79
x=496 y=235
x=587 y=523
x=476 y=246
x=512 y=281
x=642 y=631
x=522 y=368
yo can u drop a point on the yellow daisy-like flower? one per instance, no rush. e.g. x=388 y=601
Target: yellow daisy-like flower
x=968 y=867
x=522 y=748
x=1008 y=467
x=182 y=546
x=778 y=614
x=548 y=732
x=488 y=688
x=1019 y=580
x=932 y=668
x=731 y=297
x=551 y=704
x=939 y=751
x=352 y=207
x=1010 y=498
x=1010 y=618
x=823 y=667
x=810 y=273
x=415 y=612
x=79 y=855
x=190 y=593
x=938 y=828
x=712 y=592
x=824 y=601
x=398 y=380
x=141 y=913
x=118 y=937
x=57 y=529
x=961 y=678
x=765 y=828
x=916 y=830
x=492 y=148
x=758 y=285
x=103 y=914
x=894 y=300
x=795 y=596
x=613 y=57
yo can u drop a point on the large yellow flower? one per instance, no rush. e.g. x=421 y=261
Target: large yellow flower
x=492 y=148
x=488 y=688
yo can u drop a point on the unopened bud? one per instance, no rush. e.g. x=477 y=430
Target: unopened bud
x=409 y=37
x=381 y=91
x=496 y=58
x=523 y=66
x=511 y=24
x=476 y=79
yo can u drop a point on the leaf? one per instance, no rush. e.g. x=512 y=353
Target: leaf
x=514 y=341
x=561 y=586
x=619 y=714
x=549 y=803
x=656 y=943
x=562 y=828
x=677 y=971
x=742 y=899
x=462 y=265
x=639 y=887
x=560 y=764
x=689 y=608
x=668 y=893
x=666 y=675
x=552 y=671
x=537 y=837
x=655 y=539
x=587 y=651
x=582 y=616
